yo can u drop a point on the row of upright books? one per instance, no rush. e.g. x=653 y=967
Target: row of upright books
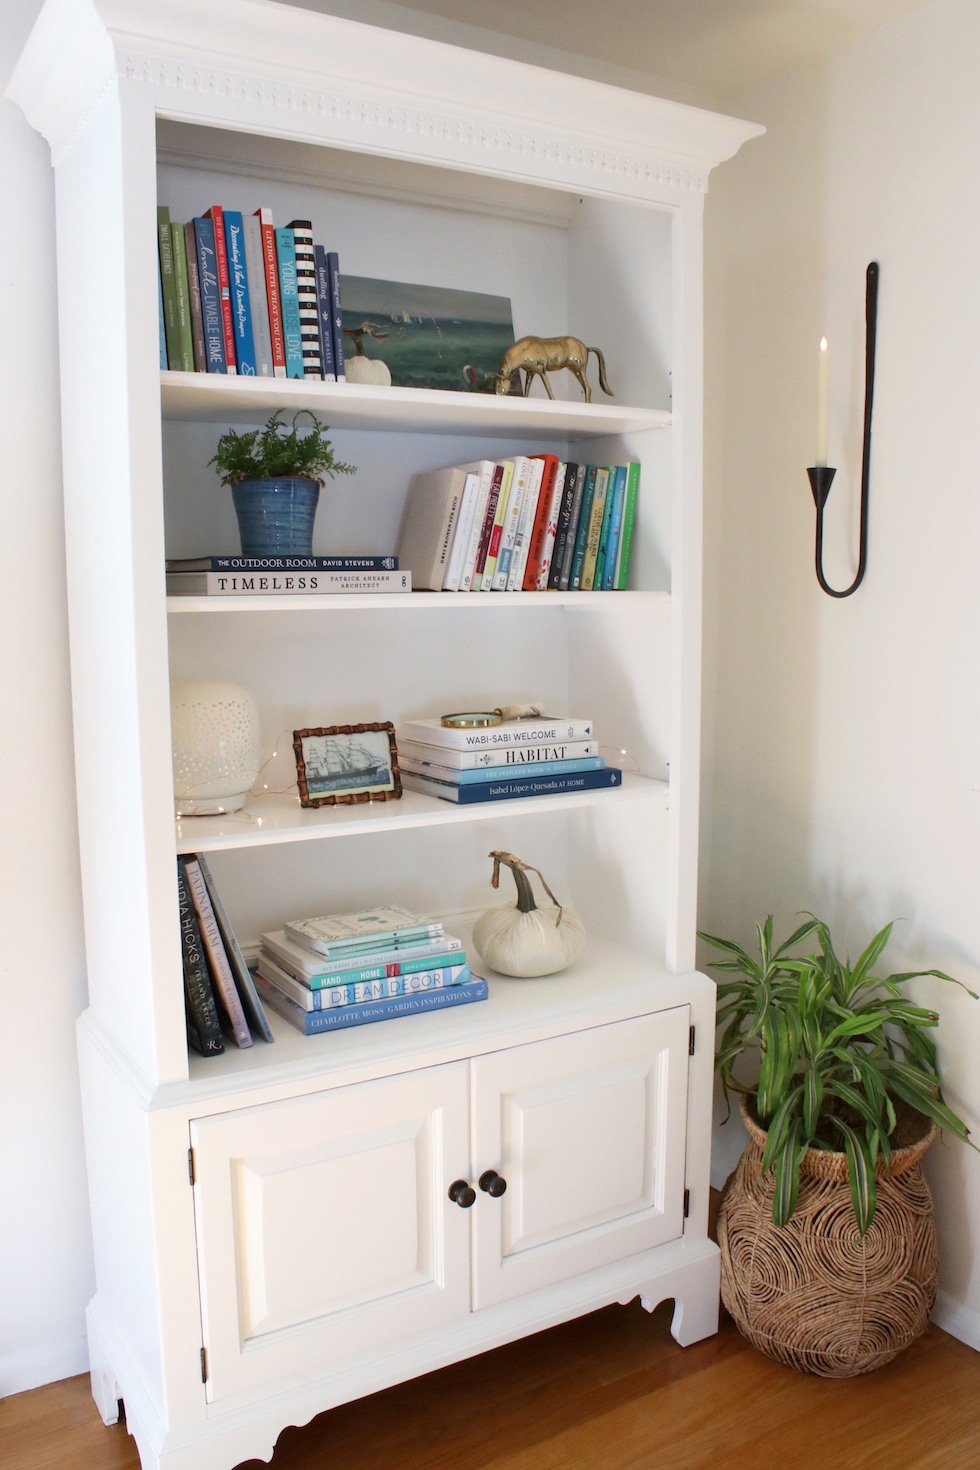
x=219 y=994
x=528 y=523
x=239 y=295
x=516 y=758
x=341 y=970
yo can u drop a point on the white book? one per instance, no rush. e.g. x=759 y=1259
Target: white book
x=284 y=584
x=485 y=469
x=258 y=295
x=429 y=525
x=551 y=530
x=512 y=519
x=522 y=546
x=498 y=737
x=461 y=538
x=509 y=755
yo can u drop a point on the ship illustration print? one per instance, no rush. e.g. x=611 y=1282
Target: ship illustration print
x=336 y=763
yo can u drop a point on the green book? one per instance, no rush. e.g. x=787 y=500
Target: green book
x=600 y=562
x=582 y=533
x=168 y=285
x=596 y=517
x=185 y=330
x=629 y=520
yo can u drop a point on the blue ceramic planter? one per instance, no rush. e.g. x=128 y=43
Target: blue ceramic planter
x=275 y=517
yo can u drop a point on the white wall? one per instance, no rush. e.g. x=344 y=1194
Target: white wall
x=45 y=1260
x=843 y=763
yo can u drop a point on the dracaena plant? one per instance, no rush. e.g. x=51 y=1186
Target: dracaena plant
x=835 y=1045
x=278 y=452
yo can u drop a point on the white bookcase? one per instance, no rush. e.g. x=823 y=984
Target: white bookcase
x=311 y=1252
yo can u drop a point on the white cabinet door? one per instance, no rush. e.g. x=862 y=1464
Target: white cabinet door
x=325 y=1229
x=588 y=1132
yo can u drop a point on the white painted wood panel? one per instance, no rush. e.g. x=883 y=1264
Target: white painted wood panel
x=588 y=1131
x=324 y=1226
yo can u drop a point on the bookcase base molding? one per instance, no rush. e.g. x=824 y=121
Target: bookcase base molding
x=281 y=1228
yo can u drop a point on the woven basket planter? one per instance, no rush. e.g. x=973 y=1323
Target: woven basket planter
x=813 y=1293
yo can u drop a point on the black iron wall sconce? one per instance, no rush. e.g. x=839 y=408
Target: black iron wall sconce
x=821 y=475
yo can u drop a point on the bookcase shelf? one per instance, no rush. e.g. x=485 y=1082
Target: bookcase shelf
x=279 y=817
x=211 y=397
x=582 y=206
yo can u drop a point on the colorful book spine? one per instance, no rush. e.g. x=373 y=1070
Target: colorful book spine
x=596 y=516
x=629 y=522
x=545 y=526
x=185 y=335
x=529 y=514
x=216 y=215
x=339 y=1017
x=194 y=288
x=615 y=529
x=309 y=312
x=168 y=285
x=308 y=935
x=486 y=535
x=561 y=533
x=315 y=971
x=351 y=993
x=511 y=755
x=324 y=306
x=258 y=295
x=600 y=559
x=484 y=470
x=164 y=361
x=244 y=984
x=289 y=298
x=510 y=790
x=511 y=521
x=241 y=307
x=453 y=777
x=224 y=980
x=207 y=271
x=582 y=531
x=203 y=1026
x=575 y=515
x=333 y=270
x=270 y=265
x=284 y=564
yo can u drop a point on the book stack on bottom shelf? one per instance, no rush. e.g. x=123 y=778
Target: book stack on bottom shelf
x=219 y=993
x=502 y=761
x=341 y=970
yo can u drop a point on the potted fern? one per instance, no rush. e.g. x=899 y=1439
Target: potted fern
x=826 y=1232
x=275 y=474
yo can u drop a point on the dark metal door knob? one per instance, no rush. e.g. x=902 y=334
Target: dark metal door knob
x=462 y=1194
x=493 y=1183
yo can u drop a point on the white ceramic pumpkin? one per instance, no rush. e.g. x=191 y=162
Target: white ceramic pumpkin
x=523 y=939
x=360 y=369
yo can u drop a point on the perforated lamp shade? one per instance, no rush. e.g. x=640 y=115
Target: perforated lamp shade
x=215 y=735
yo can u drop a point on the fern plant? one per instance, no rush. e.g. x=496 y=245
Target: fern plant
x=835 y=1045
x=278 y=453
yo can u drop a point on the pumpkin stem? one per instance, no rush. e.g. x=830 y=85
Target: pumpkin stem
x=520 y=870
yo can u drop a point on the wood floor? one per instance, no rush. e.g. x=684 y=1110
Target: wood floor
x=609 y=1392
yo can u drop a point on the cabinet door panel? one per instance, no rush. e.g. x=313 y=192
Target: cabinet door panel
x=588 y=1130
x=324 y=1226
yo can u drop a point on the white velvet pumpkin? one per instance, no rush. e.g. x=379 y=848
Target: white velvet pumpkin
x=524 y=939
x=360 y=369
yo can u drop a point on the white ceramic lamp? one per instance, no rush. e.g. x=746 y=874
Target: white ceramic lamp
x=215 y=737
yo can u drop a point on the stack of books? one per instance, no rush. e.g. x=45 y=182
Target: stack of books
x=325 y=974
x=248 y=576
x=515 y=758
x=219 y=993
x=237 y=295
x=530 y=524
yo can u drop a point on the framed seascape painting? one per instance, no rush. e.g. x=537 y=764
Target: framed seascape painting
x=341 y=764
x=429 y=336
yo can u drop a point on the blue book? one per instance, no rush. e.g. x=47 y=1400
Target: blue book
x=325 y=307
x=207 y=270
x=289 y=299
x=163 y=326
x=333 y=270
x=241 y=310
x=453 y=777
x=357 y=992
x=339 y=1017
x=582 y=533
x=612 y=522
x=506 y=790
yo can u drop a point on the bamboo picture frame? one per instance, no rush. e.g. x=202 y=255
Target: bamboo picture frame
x=340 y=765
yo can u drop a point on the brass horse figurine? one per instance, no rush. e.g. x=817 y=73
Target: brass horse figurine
x=538 y=356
